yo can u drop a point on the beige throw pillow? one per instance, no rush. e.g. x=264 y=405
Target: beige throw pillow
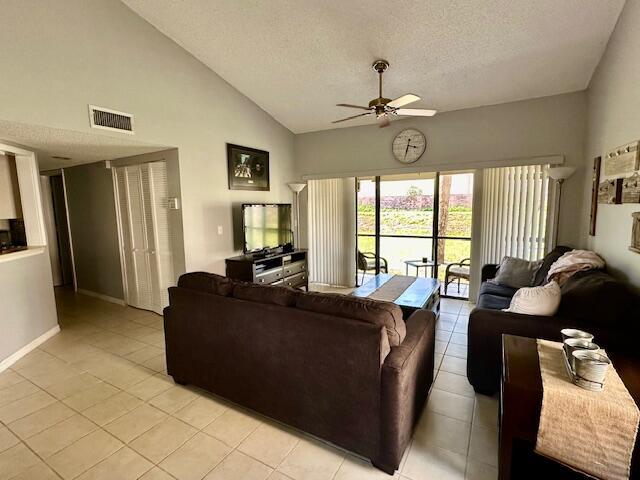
x=543 y=300
x=516 y=272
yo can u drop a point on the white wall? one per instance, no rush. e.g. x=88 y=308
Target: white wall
x=464 y=139
x=613 y=120
x=65 y=55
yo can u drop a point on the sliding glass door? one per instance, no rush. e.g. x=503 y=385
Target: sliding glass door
x=415 y=224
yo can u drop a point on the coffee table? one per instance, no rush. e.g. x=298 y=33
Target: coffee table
x=418 y=264
x=423 y=293
x=520 y=404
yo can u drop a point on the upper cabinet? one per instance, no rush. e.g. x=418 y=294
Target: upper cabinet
x=10 y=206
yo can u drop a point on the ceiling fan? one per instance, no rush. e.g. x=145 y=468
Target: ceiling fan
x=385 y=107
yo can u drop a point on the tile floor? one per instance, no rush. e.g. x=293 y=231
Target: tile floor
x=94 y=402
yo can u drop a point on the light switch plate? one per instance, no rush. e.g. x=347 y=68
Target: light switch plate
x=220 y=230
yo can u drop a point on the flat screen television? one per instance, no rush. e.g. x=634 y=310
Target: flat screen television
x=266 y=227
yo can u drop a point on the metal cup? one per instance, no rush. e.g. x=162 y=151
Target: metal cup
x=573 y=333
x=591 y=366
x=573 y=344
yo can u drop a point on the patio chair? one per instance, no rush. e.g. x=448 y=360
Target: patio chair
x=459 y=271
x=367 y=262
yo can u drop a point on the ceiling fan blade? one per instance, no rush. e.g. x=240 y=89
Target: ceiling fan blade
x=352 y=117
x=415 y=112
x=352 y=106
x=383 y=120
x=403 y=100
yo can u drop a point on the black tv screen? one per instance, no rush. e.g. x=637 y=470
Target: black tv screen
x=266 y=226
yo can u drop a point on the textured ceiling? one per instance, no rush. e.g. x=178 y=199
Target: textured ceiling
x=79 y=147
x=297 y=59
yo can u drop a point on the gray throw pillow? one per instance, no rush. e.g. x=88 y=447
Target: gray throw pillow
x=516 y=272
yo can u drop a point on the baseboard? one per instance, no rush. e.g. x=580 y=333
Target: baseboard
x=106 y=298
x=13 y=358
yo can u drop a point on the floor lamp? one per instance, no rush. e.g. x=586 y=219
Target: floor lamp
x=296 y=188
x=559 y=174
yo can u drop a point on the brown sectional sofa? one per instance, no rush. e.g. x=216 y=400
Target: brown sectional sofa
x=345 y=369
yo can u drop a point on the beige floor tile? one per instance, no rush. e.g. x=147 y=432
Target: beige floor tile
x=66 y=386
x=112 y=408
x=443 y=336
x=437 y=360
x=144 y=354
x=61 y=435
x=312 y=460
x=456 y=350
x=459 y=338
x=195 y=458
x=151 y=387
x=440 y=347
x=125 y=377
x=40 y=471
x=8 y=378
x=201 y=412
x=139 y=332
x=38 y=363
x=444 y=324
x=156 y=473
x=448 y=305
x=461 y=327
x=441 y=431
x=87 y=398
x=15 y=460
x=125 y=464
x=156 y=339
x=276 y=475
x=232 y=427
x=269 y=443
x=25 y=406
x=486 y=411
x=483 y=446
x=135 y=422
x=434 y=462
x=480 y=471
x=450 y=404
x=7 y=439
x=454 y=383
x=17 y=391
x=157 y=363
x=454 y=365
x=354 y=468
x=161 y=440
x=41 y=420
x=173 y=399
x=84 y=454
x=239 y=466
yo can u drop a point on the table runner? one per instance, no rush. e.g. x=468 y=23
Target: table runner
x=392 y=288
x=593 y=432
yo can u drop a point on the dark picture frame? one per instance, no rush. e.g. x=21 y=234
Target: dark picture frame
x=248 y=168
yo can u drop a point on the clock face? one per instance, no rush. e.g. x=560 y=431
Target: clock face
x=409 y=145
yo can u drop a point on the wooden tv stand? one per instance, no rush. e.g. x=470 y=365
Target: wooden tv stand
x=287 y=269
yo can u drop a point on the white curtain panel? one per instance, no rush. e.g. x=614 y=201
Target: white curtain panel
x=516 y=213
x=332 y=231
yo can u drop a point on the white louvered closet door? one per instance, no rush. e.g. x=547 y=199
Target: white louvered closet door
x=145 y=237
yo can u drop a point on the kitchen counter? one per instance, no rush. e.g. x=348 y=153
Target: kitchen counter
x=16 y=253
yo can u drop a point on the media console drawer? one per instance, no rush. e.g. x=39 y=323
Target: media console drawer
x=296 y=267
x=298 y=280
x=269 y=276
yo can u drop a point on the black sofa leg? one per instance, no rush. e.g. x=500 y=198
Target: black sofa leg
x=385 y=468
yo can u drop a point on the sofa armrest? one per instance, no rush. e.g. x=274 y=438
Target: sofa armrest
x=485 y=331
x=407 y=374
x=489 y=271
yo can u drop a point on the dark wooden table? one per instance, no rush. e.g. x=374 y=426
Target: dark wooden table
x=422 y=293
x=520 y=404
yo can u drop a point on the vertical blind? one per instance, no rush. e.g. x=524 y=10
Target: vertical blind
x=331 y=217
x=515 y=212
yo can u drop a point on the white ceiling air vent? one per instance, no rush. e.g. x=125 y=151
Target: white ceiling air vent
x=108 y=119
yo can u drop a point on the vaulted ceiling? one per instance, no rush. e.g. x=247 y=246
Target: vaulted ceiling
x=297 y=59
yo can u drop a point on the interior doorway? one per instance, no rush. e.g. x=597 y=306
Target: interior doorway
x=416 y=225
x=57 y=225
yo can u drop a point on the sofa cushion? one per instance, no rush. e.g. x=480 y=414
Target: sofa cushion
x=275 y=295
x=542 y=300
x=516 y=272
x=367 y=310
x=493 y=302
x=550 y=258
x=594 y=297
x=207 y=282
x=492 y=288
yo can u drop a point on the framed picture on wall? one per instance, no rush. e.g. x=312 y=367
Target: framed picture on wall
x=248 y=168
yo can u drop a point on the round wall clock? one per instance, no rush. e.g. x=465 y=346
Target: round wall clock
x=409 y=145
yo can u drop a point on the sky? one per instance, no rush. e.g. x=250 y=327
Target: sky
x=460 y=184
